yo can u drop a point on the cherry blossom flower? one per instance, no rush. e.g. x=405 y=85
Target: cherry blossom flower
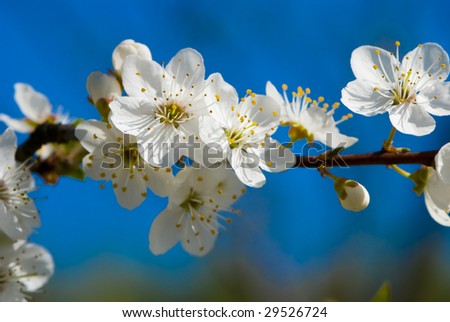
x=242 y=130
x=409 y=91
x=24 y=269
x=308 y=120
x=36 y=108
x=18 y=214
x=437 y=188
x=126 y=48
x=115 y=157
x=163 y=104
x=352 y=195
x=102 y=86
x=192 y=216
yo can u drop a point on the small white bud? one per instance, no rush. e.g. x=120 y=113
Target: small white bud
x=102 y=86
x=129 y=47
x=352 y=195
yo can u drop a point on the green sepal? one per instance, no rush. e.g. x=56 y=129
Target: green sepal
x=420 y=178
x=103 y=109
x=339 y=186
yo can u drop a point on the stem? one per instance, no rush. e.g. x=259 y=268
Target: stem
x=400 y=171
x=387 y=144
x=57 y=133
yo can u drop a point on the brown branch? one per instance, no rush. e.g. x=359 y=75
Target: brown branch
x=43 y=134
x=373 y=158
x=59 y=133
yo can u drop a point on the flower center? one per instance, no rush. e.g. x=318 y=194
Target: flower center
x=234 y=138
x=171 y=113
x=193 y=201
x=403 y=93
x=131 y=156
x=299 y=132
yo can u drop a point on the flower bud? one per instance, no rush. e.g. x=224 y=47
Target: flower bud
x=129 y=47
x=352 y=195
x=102 y=86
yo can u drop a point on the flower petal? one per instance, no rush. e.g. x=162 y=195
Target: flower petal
x=142 y=78
x=197 y=239
x=274 y=157
x=367 y=65
x=8 y=145
x=187 y=67
x=442 y=161
x=102 y=86
x=334 y=139
x=246 y=167
x=214 y=137
x=439 y=215
x=425 y=60
x=34 y=105
x=437 y=99
x=21 y=126
x=91 y=133
x=36 y=266
x=361 y=98
x=412 y=119
x=160 y=180
x=164 y=233
x=130 y=190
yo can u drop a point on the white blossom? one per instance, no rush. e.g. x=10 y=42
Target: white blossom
x=24 y=269
x=101 y=86
x=18 y=214
x=115 y=157
x=242 y=130
x=409 y=91
x=126 y=48
x=163 y=104
x=437 y=188
x=36 y=108
x=308 y=119
x=193 y=216
x=352 y=195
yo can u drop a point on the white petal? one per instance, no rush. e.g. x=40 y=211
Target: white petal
x=187 y=66
x=437 y=97
x=272 y=92
x=274 y=157
x=196 y=239
x=361 y=98
x=37 y=264
x=438 y=191
x=161 y=180
x=227 y=96
x=164 y=233
x=34 y=105
x=412 y=119
x=438 y=214
x=102 y=86
x=91 y=134
x=246 y=167
x=263 y=110
x=334 y=139
x=365 y=58
x=8 y=145
x=214 y=136
x=132 y=115
x=21 y=126
x=142 y=78
x=426 y=60
x=131 y=190
x=126 y=48
x=442 y=161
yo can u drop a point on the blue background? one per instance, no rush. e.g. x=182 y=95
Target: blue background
x=294 y=241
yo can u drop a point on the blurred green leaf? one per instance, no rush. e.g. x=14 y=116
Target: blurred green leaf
x=383 y=294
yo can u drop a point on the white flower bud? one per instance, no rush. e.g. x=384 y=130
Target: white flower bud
x=102 y=86
x=352 y=195
x=129 y=47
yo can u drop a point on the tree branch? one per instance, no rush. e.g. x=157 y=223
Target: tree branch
x=43 y=134
x=59 y=133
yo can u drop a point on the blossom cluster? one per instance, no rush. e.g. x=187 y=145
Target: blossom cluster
x=174 y=131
